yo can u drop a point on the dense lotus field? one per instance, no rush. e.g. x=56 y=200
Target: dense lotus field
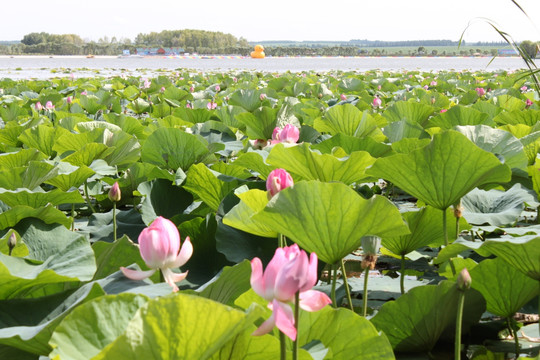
x=335 y=215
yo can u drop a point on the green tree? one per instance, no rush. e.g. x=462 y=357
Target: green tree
x=530 y=48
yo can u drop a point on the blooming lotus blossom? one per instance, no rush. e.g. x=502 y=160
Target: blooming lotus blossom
x=377 y=102
x=289 y=134
x=84 y=92
x=277 y=180
x=49 y=105
x=289 y=272
x=38 y=106
x=426 y=87
x=433 y=83
x=211 y=105
x=528 y=103
x=523 y=88
x=480 y=91
x=146 y=84
x=159 y=245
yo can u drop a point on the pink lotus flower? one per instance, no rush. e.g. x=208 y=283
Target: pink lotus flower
x=426 y=87
x=480 y=91
x=262 y=97
x=289 y=134
x=443 y=110
x=277 y=180
x=234 y=79
x=433 y=83
x=191 y=89
x=523 y=88
x=146 y=84
x=38 y=106
x=211 y=105
x=379 y=87
x=377 y=102
x=69 y=100
x=217 y=88
x=343 y=97
x=84 y=92
x=49 y=105
x=159 y=245
x=188 y=105
x=288 y=272
x=162 y=89
x=260 y=144
x=528 y=102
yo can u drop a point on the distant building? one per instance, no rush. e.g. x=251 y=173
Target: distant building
x=147 y=51
x=507 y=52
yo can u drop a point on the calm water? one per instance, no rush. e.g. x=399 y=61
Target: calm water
x=22 y=67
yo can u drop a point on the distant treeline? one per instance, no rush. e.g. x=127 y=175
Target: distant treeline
x=218 y=43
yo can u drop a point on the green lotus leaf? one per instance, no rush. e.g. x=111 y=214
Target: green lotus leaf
x=330 y=218
x=9 y=136
x=87 y=126
x=177 y=327
x=523 y=253
x=260 y=123
x=505 y=288
x=111 y=256
x=87 y=154
x=31 y=330
x=404 y=129
x=72 y=141
x=227 y=115
x=20 y=158
x=351 y=144
x=529 y=117
x=210 y=186
x=80 y=335
x=255 y=161
x=100 y=225
x=162 y=198
x=414 y=112
x=305 y=164
x=496 y=207
x=125 y=149
x=531 y=145
x=38 y=199
x=498 y=142
x=426 y=229
x=347 y=119
x=442 y=172
x=70 y=176
x=247 y=98
x=460 y=115
x=172 y=149
x=407 y=145
x=29 y=176
x=91 y=104
x=424 y=313
x=49 y=214
x=510 y=103
x=241 y=216
x=193 y=116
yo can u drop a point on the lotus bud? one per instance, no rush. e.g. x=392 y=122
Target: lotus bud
x=114 y=193
x=464 y=280
x=523 y=88
x=278 y=180
x=69 y=100
x=191 y=89
x=458 y=210
x=12 y=242
x=433 y=83
x=162 y=89
x=370 y=246
x=528 y=103
x=38 y=106
x=377 y=102
x=480 y=91
x=260 y=144
x=84 y=92
x=49 y=105
x=426 y=87
x=217 y=88
x=343 y=97
x=262 y=97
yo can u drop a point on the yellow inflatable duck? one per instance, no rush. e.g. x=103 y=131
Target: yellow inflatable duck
x=258 y=53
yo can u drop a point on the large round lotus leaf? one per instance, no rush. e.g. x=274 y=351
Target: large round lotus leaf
x=496 y=207
x=330 y=218
x=522 y=253
x=346 y=119
x=82 y=334
x=498 y=142
x=505 y=288
x=442 y=172
x=460 y=115
x=172 y=149
x=416 y=320
x=305 y=164
x=412 y=111
x=181 y=327
x=426 y=229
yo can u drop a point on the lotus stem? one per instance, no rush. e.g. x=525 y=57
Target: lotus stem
x=72 y=217
x=445 y=230
x=346 y=283
x=296 y=317
x=538 y=215
x=402 y=278
x=114 y=219
x=282 y=241
x=88 y=197
x=365 y=297
x=513 y=331
x=459 y=320
x=457 y=227
x=334 y=279
x=283 y=347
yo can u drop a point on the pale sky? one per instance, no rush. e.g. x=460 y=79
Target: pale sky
x=254 y=20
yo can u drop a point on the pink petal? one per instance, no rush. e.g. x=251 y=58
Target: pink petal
x=284 y=319
x=137 y=274
x=257 y=280
x=265 y=327
x=311 y=278
x=185 y=254
x=171 y=277
x=313 y=300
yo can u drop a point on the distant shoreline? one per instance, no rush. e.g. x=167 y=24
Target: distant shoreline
x=203 y=57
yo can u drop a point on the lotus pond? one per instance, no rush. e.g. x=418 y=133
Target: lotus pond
x=396 y=181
